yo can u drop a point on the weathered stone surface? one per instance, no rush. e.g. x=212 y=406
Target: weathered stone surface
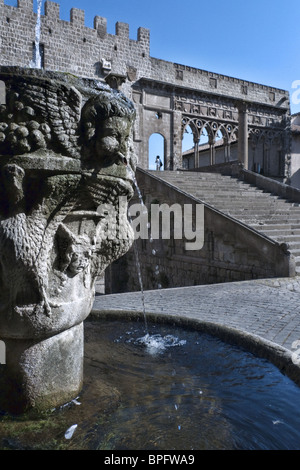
x=235 y=247
x=52 y=238
x=42 y=374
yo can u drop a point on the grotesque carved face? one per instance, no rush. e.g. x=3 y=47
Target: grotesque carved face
x=106 y=123
x=75 y=251
x=80 y=259
x=111 y=140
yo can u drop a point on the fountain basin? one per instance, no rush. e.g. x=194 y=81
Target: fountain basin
x=193 y=391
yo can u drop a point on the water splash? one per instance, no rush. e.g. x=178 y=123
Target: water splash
x=37 y=61
x=157 y=344
x=153 y=344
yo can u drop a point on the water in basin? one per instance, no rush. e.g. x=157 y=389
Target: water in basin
x=177 y=389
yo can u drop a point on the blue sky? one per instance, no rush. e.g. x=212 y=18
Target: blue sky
x=256 y=40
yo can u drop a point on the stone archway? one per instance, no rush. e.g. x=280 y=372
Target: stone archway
x=169 y=109
x=208 y=136
x=263 y=144
x=156 y=146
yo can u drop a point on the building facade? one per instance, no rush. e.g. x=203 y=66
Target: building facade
x=168 y=97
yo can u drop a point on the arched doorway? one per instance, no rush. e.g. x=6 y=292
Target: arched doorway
x=156 y=147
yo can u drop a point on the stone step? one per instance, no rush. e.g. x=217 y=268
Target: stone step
x=294 y=248
x=280 y=232
x=240 y=204
x=288 y=238
x=236 y=195
x=212 y=184
x=221 y=188
x=277 y=221
x=267 y=227
x=252 y=221
x=232 y=191
x=274 y=209
x=261 y=213
x=191 y=174
x=209 y=185
x=269 y=214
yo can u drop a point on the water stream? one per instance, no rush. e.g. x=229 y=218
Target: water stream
x=37 y=60
x=152 y=342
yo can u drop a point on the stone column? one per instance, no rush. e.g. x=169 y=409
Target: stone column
x=243 y=135
x=177 y=141
x=196 y=153
x=212 y=152
x=42 y=374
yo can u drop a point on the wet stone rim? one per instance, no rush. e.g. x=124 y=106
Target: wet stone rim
x=279 y=356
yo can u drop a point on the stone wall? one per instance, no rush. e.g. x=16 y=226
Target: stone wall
x=232 y=251
x=72 y=47
x=163 y=92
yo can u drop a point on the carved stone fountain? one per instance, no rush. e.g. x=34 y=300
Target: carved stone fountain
x=65 y=151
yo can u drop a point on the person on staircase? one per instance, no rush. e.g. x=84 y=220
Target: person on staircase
x=158 y=163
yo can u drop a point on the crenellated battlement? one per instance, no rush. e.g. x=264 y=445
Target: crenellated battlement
x=166 y=94
x=77 y=18
x=70 y=46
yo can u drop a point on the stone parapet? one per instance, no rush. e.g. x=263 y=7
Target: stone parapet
x=232 y=250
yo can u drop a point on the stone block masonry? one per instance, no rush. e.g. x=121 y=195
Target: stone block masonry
x=69 y=46
x=72 y=47
x=232 y=251
x=167 y=95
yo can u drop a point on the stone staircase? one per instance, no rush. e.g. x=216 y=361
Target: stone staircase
x=275 y=217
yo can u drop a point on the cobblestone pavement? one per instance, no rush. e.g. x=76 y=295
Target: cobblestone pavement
x=266 y=309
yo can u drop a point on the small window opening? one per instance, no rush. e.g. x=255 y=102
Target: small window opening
x=213 y=82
